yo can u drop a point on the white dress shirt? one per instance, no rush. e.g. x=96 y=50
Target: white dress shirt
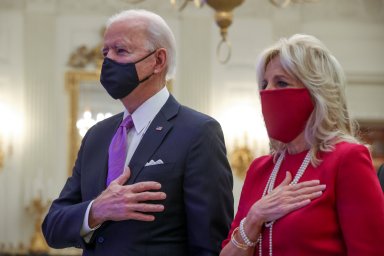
x=142 y=118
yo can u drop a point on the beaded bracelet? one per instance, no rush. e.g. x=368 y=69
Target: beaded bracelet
x=248 y=242
x=236 y=243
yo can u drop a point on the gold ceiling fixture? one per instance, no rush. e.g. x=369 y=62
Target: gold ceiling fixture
x=223 y=17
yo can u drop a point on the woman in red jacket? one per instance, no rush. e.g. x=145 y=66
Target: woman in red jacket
x=312 y=137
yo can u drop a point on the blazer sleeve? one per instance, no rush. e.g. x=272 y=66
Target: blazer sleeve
x=62 y=224
x=208 y=197
x=360 y=203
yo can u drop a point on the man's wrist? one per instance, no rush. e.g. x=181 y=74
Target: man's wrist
x=87 y=227
x=93 y=221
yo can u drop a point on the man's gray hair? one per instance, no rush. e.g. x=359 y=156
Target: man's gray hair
x=159 y=34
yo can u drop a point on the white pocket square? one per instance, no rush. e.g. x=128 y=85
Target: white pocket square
x=152 y=162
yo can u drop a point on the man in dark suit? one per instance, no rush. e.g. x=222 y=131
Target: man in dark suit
x=175 y=198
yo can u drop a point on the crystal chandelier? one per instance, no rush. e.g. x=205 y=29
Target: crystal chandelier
x=86 y=122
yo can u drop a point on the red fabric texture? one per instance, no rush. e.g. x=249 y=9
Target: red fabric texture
x=348 y=219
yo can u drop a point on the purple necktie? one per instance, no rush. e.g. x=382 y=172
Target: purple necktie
x=118 y=150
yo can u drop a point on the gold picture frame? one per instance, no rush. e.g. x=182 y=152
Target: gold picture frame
x=73 y=79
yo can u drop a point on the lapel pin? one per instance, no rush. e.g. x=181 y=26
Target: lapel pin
x=159 y=128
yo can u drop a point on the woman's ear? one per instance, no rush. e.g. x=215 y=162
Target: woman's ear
x=161 y=60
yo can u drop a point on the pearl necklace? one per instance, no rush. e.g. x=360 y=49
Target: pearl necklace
x=271 y=184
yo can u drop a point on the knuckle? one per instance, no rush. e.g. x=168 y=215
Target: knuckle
x=140 y=186
x=298 y=186
x=129 y=198
x=145 y=196
x=149 y=208
x=145 y=208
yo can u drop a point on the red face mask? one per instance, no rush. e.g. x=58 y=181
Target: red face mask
x=286 y=112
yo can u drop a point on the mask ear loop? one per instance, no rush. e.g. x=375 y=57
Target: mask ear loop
x=146 y=78
x=146 y=56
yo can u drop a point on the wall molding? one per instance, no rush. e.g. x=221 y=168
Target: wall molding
x=361 y=78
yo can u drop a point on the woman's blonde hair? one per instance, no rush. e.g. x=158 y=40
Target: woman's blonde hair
x=306 y=58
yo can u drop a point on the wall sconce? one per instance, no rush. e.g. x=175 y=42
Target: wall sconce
x=240 y=158
x=38 y=207
x=10 y=126
x=245 y=134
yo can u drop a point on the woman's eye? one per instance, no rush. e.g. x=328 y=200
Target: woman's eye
x=263 y=85
x=282 y=84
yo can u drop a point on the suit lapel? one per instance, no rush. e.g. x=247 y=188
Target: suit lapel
x=153 y=137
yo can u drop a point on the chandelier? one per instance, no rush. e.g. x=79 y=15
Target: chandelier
x=86 y=122
x=223 y=17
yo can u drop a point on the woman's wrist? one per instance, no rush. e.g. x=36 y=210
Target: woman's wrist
x=249 y=238
x=236 y=241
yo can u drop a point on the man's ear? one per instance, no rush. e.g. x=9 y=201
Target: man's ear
x=161 y=60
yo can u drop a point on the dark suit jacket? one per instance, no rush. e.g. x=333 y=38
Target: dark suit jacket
x=380 y=174
x=195 y=176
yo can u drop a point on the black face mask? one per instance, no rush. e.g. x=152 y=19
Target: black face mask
x=120 y=79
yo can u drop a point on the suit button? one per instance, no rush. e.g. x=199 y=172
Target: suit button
x=100 y=239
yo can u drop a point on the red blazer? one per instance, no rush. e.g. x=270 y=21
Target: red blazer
x=348 y=219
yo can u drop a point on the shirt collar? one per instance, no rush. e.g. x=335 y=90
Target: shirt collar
x=147 y=111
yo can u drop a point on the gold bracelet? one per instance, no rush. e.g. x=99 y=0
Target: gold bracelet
x=237 y=243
